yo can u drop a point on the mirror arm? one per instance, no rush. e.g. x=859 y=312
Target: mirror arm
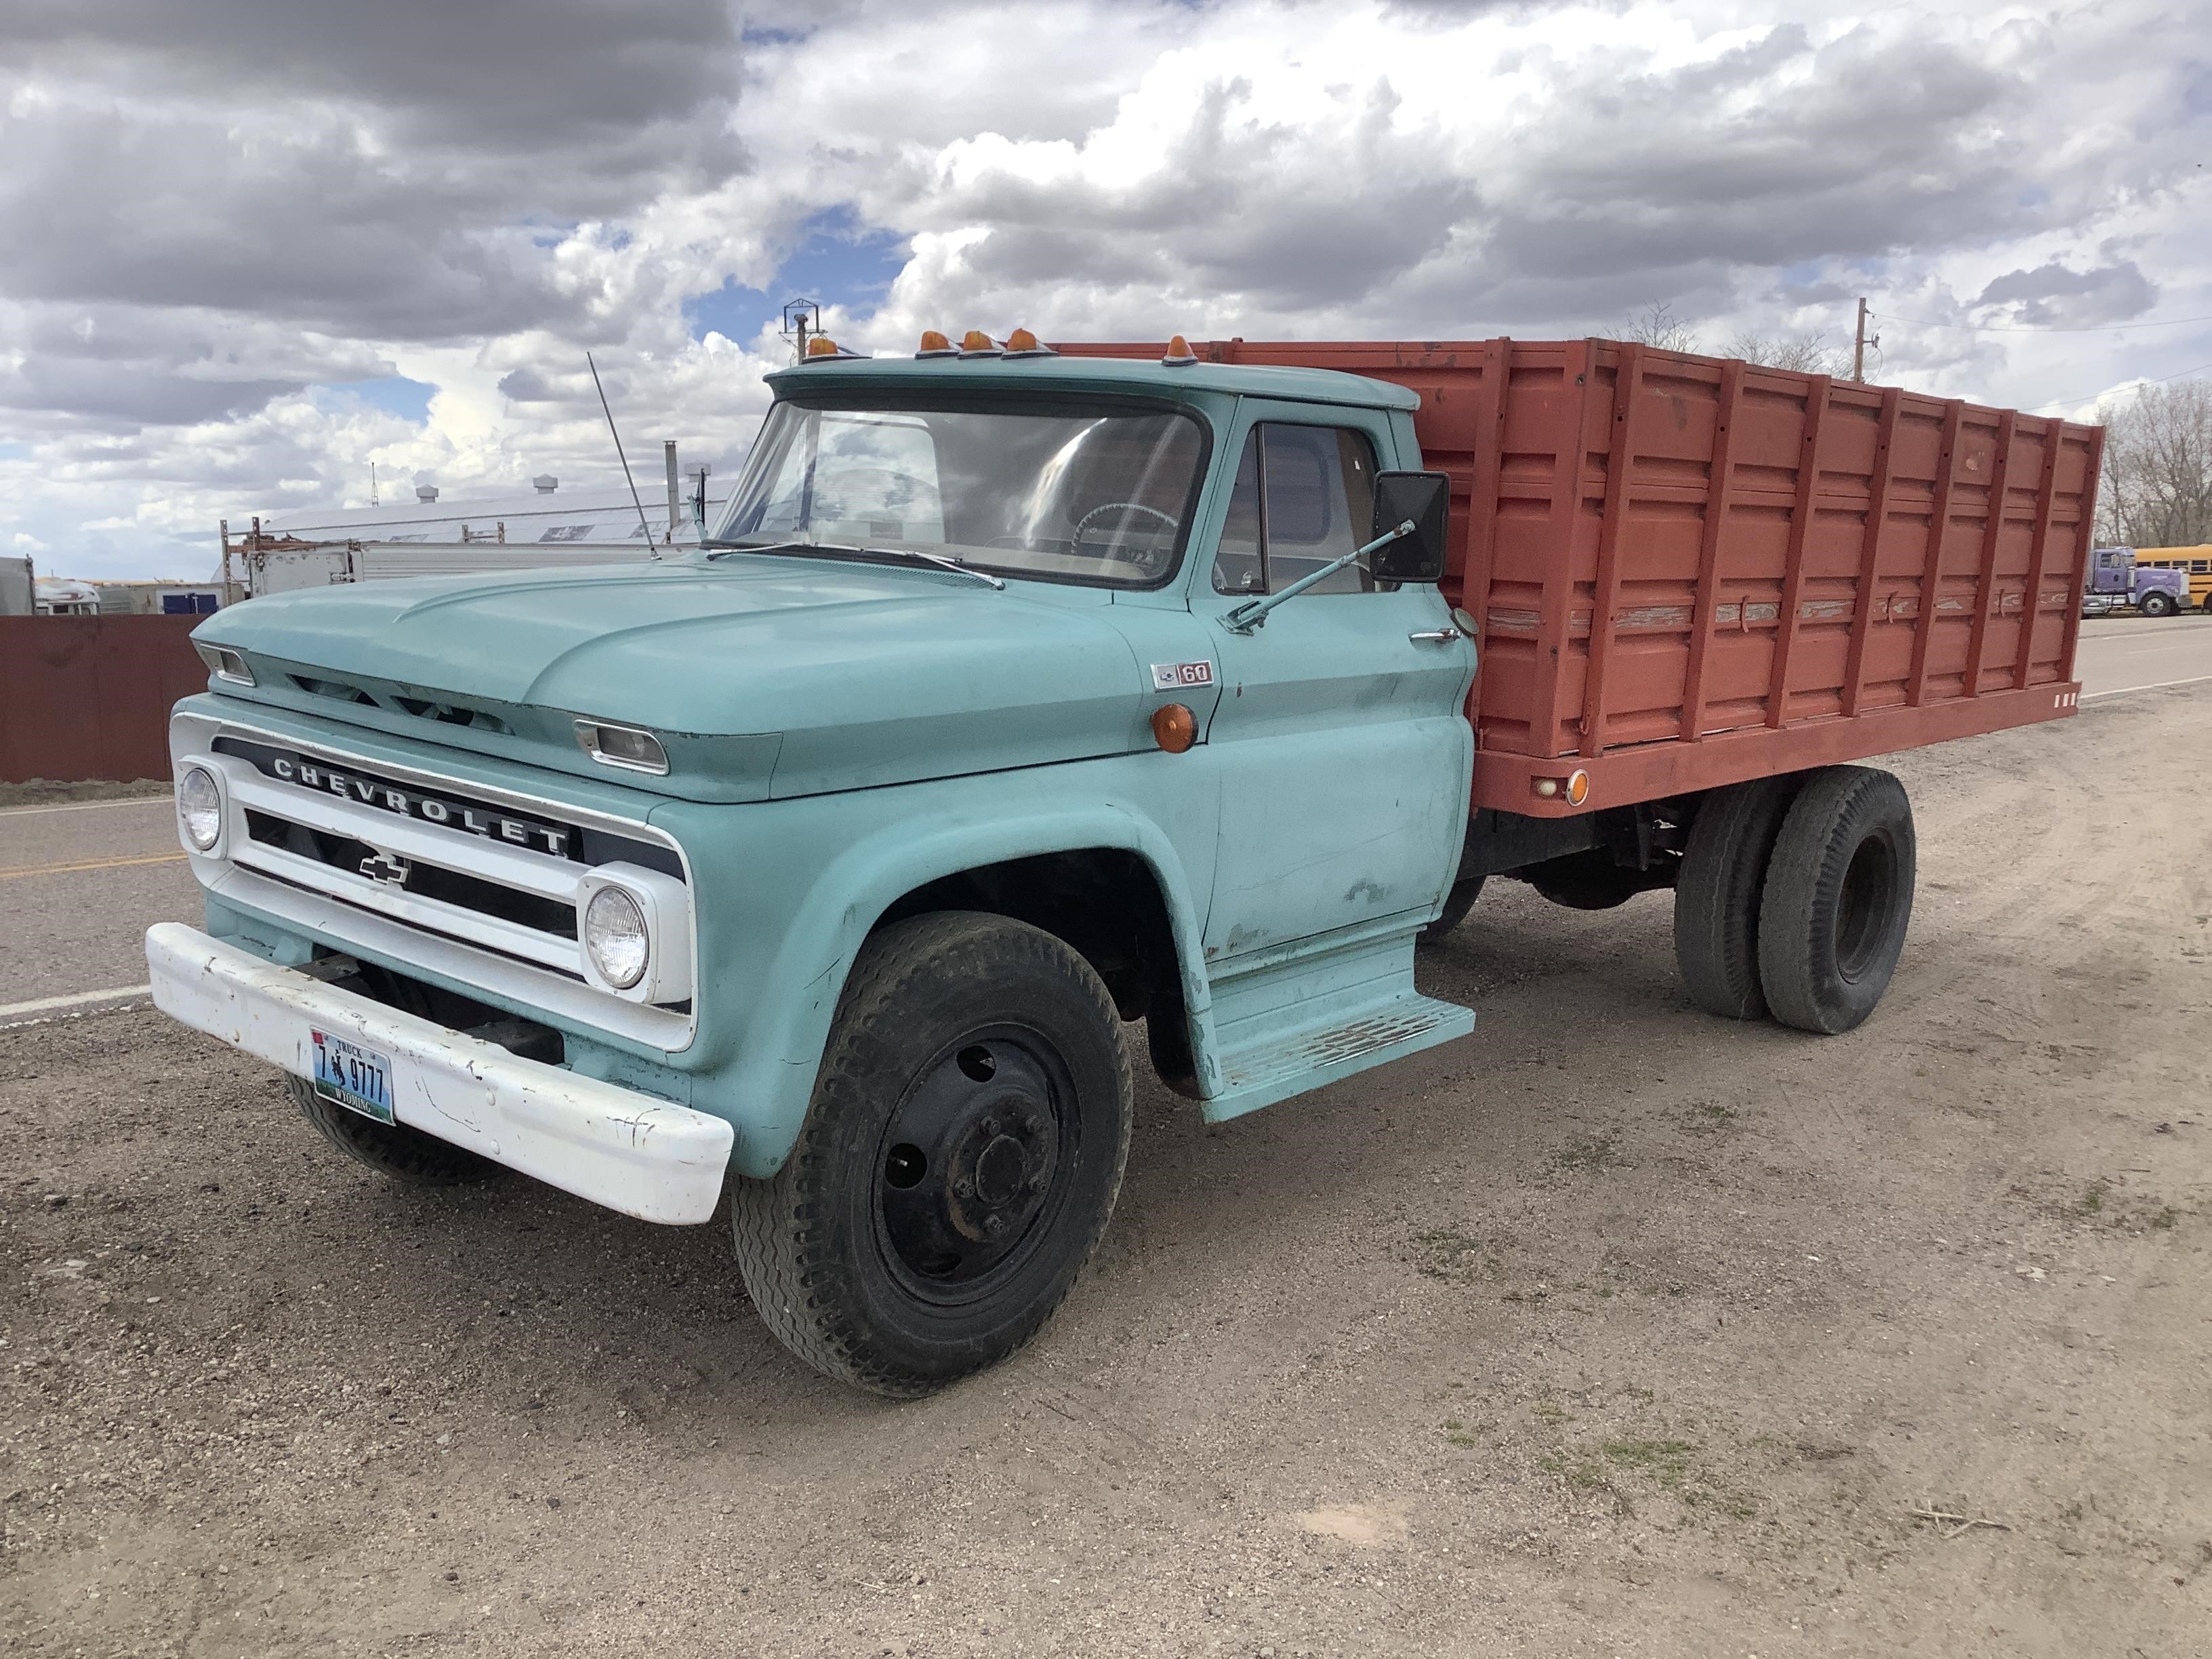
x=1250 y=615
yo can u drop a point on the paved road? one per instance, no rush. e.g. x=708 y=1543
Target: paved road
x=81 y=884
x=2124 y=653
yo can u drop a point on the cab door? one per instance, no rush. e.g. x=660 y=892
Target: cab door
x=1340 y=741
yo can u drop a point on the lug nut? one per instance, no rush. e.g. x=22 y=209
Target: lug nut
x=994 y=1224
x=963 y=1187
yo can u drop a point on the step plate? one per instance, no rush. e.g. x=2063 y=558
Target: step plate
x=1308 y=1059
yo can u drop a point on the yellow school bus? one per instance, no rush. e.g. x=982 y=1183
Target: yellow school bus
x=2197 y=561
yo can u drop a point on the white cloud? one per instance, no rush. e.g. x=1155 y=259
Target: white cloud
x=191 y=264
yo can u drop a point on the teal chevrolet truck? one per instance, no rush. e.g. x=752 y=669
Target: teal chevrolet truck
x=826 y=866
x=1017 y=702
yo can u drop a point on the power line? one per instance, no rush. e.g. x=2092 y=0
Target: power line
x=1977 y=328
x=2161 y=380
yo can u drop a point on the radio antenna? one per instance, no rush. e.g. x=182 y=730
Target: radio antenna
x=643 y=528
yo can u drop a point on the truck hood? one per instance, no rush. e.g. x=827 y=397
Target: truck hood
x=765 y=676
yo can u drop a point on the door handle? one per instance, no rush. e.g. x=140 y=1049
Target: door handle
x=1434 y=635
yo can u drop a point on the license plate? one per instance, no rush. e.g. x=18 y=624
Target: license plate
x=357 y=1079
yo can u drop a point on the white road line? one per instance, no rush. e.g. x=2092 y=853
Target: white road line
x=78 y=1000
x=2135 y=647
x=86 y=806
x=2122 y=690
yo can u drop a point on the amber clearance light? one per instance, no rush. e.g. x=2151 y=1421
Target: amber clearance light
x=1574 y=787
x=1174 y=728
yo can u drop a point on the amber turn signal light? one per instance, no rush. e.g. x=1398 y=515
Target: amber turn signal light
x=1174 y=728
x=1574 y=787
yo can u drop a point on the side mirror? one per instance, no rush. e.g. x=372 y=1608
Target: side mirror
x=1425 y=499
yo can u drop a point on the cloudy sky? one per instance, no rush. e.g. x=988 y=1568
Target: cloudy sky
x=248 y=248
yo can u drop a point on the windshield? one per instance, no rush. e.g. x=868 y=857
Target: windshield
x=1087 y=491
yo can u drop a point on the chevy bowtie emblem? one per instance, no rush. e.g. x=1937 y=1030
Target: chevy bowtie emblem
x=388 y=868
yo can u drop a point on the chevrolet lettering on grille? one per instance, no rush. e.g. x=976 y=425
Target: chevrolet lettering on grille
x=414 y=804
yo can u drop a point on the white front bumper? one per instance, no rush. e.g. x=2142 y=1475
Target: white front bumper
x=647 y=1158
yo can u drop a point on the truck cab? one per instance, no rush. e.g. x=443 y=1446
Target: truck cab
x=1015 y=701
x=2117 y=578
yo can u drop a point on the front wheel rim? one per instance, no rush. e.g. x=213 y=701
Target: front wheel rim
x=972 y=1168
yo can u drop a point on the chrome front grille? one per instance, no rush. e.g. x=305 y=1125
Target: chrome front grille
x=482 y=877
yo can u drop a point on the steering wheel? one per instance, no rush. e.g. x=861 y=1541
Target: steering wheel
x=1170 y=520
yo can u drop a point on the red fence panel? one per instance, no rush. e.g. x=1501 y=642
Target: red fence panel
x=88 y=697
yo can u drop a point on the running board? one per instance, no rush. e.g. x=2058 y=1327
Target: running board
x=1288 y=1026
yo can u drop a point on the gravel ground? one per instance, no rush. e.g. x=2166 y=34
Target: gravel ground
x=1610 y=1330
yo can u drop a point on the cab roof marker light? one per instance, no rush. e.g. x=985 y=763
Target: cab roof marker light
x=1023 y=343
x=1180 y=356
x=823 y=349
x=976 y=343
x=935 y=344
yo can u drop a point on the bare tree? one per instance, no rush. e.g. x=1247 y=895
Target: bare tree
x=2157 y=488
x=1657 y=324
x=1808 y=353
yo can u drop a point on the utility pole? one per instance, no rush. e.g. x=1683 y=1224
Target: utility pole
x=1859 y=343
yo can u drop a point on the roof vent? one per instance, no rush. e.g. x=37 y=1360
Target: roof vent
x=545 y=483
x=426 y=492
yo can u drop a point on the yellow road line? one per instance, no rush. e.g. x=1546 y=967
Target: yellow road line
x=89 y=864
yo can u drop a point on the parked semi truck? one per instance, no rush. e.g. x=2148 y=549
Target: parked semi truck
x=2117 y=578
x=1023 y=699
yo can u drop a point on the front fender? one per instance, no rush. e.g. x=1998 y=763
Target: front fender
x=788 y=891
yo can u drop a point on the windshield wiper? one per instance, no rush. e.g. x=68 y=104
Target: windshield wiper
x=913 y=555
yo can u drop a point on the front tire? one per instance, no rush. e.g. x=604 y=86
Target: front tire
x=1837 y=899
x=2156 y=604
x=959 y=1161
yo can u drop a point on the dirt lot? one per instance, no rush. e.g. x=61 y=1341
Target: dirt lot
x=1611 y=1330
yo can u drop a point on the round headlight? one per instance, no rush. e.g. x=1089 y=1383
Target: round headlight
x=615 y=935
x=199 y=807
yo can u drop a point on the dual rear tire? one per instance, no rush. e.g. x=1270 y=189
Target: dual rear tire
x=1795 y=896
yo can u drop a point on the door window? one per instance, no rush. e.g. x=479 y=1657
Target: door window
x=1304 y=495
